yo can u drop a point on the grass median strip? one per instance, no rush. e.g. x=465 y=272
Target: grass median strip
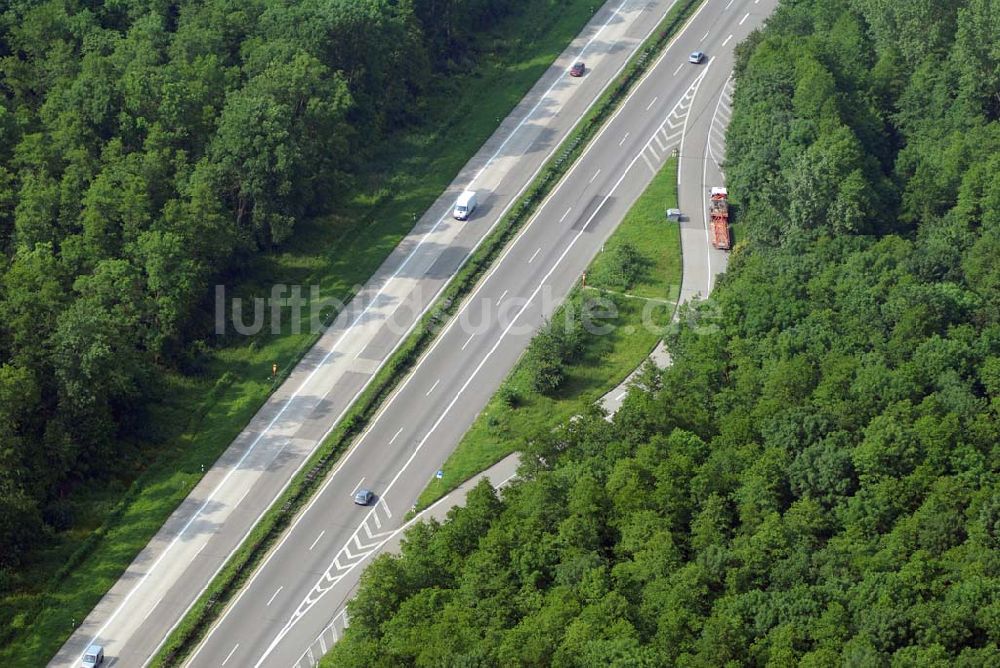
x=651 y=271
x=192 y=628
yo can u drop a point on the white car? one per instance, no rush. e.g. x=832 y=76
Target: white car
x=696 y=57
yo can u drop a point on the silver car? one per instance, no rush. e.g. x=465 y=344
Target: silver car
x=363 y=497
x=696 y=57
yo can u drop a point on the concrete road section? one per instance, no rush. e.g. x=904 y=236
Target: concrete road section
x=162 y=582
x=305 y=581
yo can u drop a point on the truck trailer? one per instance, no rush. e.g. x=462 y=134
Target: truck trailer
x=718 y=213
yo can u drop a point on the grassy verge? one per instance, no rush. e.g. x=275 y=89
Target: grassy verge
x=202 y=411
x=203 y=613
x=516 y=413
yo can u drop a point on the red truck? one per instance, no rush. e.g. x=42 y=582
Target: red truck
x=718 y=212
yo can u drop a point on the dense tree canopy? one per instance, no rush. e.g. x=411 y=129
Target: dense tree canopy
x=145 y=149
x=815 y=480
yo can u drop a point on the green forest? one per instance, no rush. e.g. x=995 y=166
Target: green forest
x=814 y=481
x=148 y=149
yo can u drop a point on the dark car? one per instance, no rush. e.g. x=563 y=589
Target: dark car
x=577 y=70
x=363 y=497
x=696 y=57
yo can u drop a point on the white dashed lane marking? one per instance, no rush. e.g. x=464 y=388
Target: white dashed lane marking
x=317 y=539
x=230 y=655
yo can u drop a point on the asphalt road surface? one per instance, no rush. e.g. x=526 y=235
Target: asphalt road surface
x=304 y=582
x=698 y=172
x=133 y=619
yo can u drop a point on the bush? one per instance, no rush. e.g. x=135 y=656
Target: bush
x=509 y=397
x=547 y=374
x=558 y=343
x=626 y=265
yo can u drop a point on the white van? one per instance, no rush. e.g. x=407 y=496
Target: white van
x=93 y=657
x=465 y=205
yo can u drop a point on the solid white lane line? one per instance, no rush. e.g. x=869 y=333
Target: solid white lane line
x=332 y=626
x=396 y=435
x=535 y=254
x=230 y=655
x=745 y=17
x=595 y=175
x=317 y=539
x=679 y=67
x=270 y=600
x=730 y=4
x=704 y=207
x=447 y=410
x=502 y=296
x=322 y=362
x=571 y=208
x=704 y=37
x=432 y=387
x=471 y=336
x=727 y=40
x=619 y=143
x=291 y=623
x=357 y=443
x=358 y=485
x=651 y=103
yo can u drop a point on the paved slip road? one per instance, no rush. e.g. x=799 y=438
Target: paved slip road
x=286 y=607
x=701 y=168
x=135 y=616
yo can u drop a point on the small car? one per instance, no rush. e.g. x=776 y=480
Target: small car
x=93 y=657
x=363 y=497
x=696 y=57
x=577 y=70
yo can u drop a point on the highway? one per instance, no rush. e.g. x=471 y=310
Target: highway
x=300 y=588
x=169 y=574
